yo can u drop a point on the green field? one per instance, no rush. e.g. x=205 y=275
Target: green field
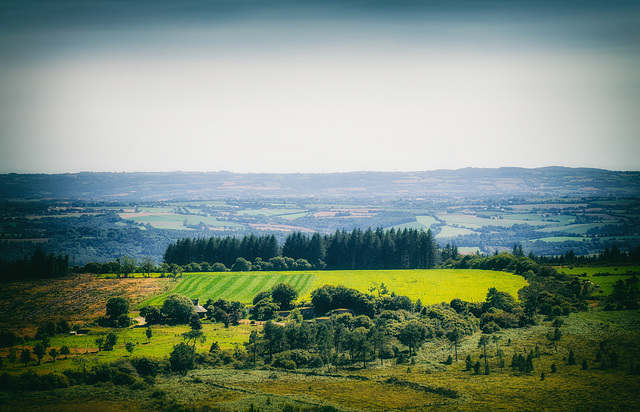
x=605 y=282
x=430 y=286
x=579 y=229
x=450 y=231
x=563 y=239
x=233 y=286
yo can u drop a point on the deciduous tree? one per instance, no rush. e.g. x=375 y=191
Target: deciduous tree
x=283 y=294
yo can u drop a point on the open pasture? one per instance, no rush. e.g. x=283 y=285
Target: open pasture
x=579 y=228
x=164 y=338
x=450 y=231
x=430 y=286
x=605 y=282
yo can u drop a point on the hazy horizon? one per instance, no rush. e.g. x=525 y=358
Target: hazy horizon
x=317 y=86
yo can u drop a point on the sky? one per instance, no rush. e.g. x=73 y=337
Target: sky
x=318 y=86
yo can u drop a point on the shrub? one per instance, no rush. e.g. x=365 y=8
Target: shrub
x=182 y=358
x=218 y=267
x=147 y=366
x=468 y=363
x=280 y=361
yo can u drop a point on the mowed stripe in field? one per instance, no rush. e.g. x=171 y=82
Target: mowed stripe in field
x=237 y=286
x=430 y=286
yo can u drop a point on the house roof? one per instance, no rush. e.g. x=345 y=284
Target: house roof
x=199 y=308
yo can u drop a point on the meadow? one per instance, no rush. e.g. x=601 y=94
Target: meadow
x=430 y=286
x=605 y=282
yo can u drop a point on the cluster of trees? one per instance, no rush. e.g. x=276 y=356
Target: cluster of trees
x=626 y=295
x=179 y=309
x=124 y=266
x=549 y=292
x=369 y=249
x=117 y=315
x=39 y=266
x=267 y=303
x=175 y=309
x=223 y=250
x=345 y=338
x=367 y=327
x=137 y=373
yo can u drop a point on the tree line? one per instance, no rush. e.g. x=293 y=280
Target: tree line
x=609 y=256
x=39 y=266
x=369 y=249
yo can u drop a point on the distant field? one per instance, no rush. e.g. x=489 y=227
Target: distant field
x=562 y=239
x=579 y=229
x=590 y=271
x=449 y=231
x=422 y=222
x=476 y=222
x=430 y=286
x=605 y=282
x=164 y=220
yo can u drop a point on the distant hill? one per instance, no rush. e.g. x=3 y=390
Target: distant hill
x=447 y=184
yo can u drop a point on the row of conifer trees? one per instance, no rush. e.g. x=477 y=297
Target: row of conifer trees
x=369 y=249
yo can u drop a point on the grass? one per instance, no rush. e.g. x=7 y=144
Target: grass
x=233 y=286
x=450 y=231
x=160 y=345
x=605 y=282
x=75 y=298
x=430 y=286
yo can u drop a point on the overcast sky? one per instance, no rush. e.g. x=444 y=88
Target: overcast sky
x=317 y=86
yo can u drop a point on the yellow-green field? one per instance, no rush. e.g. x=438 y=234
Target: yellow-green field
x=430 y=286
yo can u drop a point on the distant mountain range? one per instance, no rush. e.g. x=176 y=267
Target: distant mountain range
x=443 y=184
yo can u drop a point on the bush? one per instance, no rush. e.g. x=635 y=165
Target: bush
x=182 y=358
x=152 y=315
x=297 y=358
x=121 y=378
x=31 y=381
x=280 y=362
x=218 y=267
x=147 y=366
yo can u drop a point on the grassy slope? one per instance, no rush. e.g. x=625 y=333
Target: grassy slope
x=569 y=389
